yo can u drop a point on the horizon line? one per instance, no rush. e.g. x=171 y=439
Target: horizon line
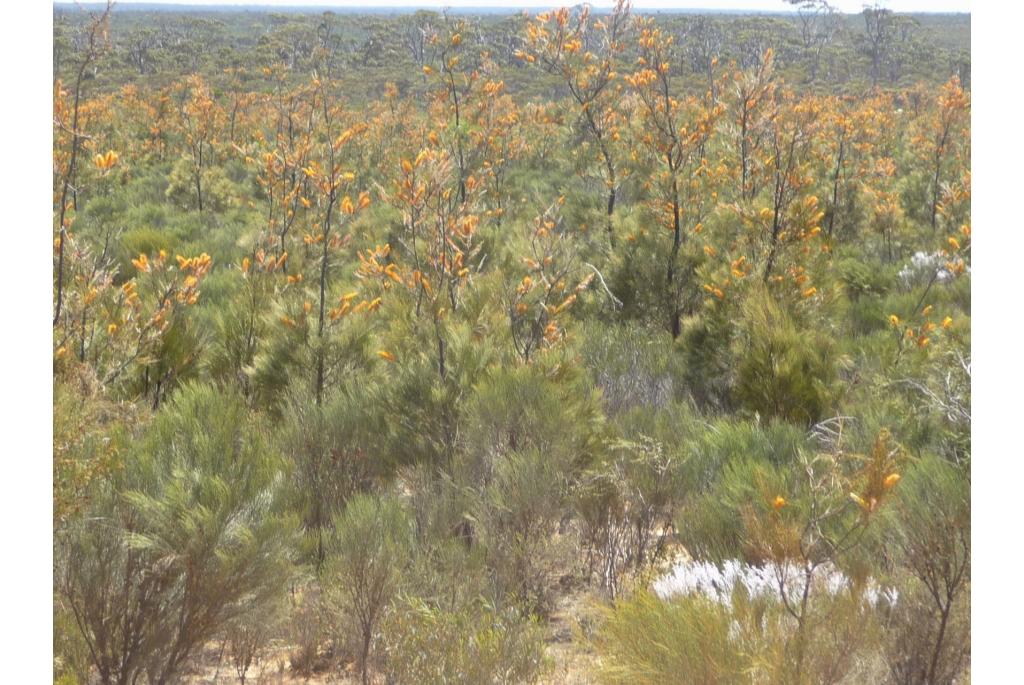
x=399 y=6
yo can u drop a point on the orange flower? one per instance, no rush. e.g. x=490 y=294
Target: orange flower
x=778 y=502
x=107 y=161
x=385 y=355
x=891 y=480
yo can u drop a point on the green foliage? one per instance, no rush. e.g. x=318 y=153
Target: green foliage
x=708 y=365
x=549 y=407
x=457 y=368
x=330 y=449
x=477 y=645
x=190 y=538
x=783 y=371
x=147 y=241
x=648 y=641
x=632 y=366
x=517 y=513
x=861 y=280
x=217 y=187
x=929 y=527
x=622 y=501
x=370 y=546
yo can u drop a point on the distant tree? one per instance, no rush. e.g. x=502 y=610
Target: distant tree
x=889 y=42
x=702 y=43
x=877 y=23
x=819 y=22
x=416 y=31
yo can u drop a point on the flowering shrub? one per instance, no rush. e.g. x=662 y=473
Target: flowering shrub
x=923 y=266
x=719 y=583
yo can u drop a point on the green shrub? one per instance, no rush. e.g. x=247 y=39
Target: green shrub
x=517 y=513
x=863 y=279
x=782 y=370
x=633 y=367
x=928 y=526
x=548 y=406
x=371 y=545
x=147 y=241
x=477 y=644
x=647 y=641
x=187 y=538
x=622 y=502
x=328 y=451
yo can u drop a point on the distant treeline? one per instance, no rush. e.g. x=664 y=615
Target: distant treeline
x=817 y=49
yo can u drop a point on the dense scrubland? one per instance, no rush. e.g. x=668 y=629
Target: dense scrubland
x=567 y=347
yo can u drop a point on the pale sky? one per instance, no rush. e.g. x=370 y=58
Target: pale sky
x=852 y=6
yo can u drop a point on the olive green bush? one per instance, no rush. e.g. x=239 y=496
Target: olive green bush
x=476 y=644
x=368 y=551
x=192 y=537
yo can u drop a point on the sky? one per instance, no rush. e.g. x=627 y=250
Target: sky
x=853 y=6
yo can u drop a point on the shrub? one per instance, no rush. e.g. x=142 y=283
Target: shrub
x=327 y=448
x=517 y=513
x=547 y=406
x=476 y=644
x=862 y=279
x=195 y=540
x=247 y=637
x=782 y=371
x=622 y=503
x=371 y=544
x=308 y=629
x=148 y=241
x=632 y=367
x=929 y=528
x=647 y=641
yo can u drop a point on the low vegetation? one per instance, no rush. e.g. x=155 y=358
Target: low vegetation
x=431 y=348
